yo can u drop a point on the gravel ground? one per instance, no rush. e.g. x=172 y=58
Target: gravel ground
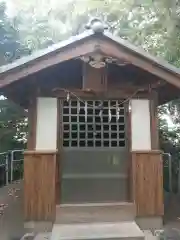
x=11 y=215
x=172 y=218
x=172 y=231
x=11 y=212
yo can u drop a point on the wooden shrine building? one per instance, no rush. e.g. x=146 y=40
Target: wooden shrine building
x=93 y=136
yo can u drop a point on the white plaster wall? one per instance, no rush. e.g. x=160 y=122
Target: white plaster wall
x=140 y=124
x=46 y=132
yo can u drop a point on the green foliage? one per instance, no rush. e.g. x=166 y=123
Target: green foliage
x=8 y=37
x=12 y=118
x=13 y=126
x=152 y=24
x=11 y=46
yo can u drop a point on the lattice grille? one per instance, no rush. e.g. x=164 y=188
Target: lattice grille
x=93 y=124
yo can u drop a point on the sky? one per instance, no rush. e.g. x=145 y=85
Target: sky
x=171 y=125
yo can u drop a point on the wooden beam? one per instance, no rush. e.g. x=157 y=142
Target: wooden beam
x=91 y=94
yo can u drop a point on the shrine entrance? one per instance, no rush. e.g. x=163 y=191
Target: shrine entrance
x=95 y=153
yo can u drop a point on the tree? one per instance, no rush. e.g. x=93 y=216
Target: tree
x=12 y=125
x=8 y=37
x=11 y=46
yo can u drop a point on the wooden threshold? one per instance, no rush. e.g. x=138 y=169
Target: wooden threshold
x=96 y=204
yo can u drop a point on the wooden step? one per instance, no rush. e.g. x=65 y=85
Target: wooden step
x=95 y=212
x=96 y=231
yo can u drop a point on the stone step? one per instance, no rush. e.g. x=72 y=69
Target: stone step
x=95 y=212
x=96 y=231
x=149 y=236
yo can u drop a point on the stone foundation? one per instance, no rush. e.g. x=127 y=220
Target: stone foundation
x=150 y=223
x=38 y=227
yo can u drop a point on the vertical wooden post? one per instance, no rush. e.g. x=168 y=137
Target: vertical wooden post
x=147 y=178
x=129 y=137
x=59 y=151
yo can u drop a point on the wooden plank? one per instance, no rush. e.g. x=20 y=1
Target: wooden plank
x=95 y=79
x=148 y=183
x=39 y=186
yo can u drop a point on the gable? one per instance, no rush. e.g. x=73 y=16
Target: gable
x=86 y=44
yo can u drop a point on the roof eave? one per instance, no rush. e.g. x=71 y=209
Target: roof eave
x=83 y=44
x=143 y=54
x=45 y=52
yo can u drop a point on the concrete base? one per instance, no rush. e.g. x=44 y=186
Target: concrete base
x=150 y=223
x=95 y=231
x=38 y=227
x=149 y=236
x=43 y=236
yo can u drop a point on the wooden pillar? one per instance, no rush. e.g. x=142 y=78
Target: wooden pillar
x=40 y=163
x=147 y=178
x=59 y=151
